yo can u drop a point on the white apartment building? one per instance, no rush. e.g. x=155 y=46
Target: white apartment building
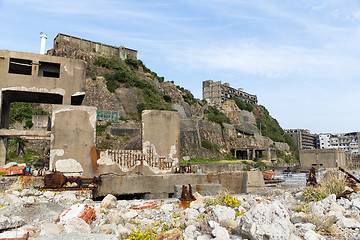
x=347 y=141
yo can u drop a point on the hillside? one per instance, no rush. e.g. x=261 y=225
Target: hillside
x=129 y=87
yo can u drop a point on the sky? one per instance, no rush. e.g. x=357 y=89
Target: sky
x=300 y=57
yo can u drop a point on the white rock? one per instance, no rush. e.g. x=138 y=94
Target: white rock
x=76 y=225
x=298 y=217
x=191 y=214
x=66 y=197
x=337 y=207
x=51 y=229
x=11 y=199
x=122 y=204
x=328 y=200
x=109 y=201
x=311 y=235
x=10 y=222
x=220 y=233
x=223 y=213
x=304 y=227
x=213 y=224
x=344 y=202
x=26 y=192
x=167 y=208
x=317 y=209
x=116 y=219
x=195 y=205
x=267 y=220
x=130 y=214
x=188 y=233
x=355 y=203
x=121 y=230
x=338 y=215
x=204 y=237
x=30 y=199
x=348 y=223
x=49 y=194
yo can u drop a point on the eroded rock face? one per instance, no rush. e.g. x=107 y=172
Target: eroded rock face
x=267 y=221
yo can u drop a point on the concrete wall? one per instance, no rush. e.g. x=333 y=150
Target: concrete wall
x=73 y=133
x=22 y=81
x=322 y=158
x=161 y=132
x=87 y=45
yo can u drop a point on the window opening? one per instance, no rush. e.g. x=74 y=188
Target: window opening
x=20 y=66
x=47 y=69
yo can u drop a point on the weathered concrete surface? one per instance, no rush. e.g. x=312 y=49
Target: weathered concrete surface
x=161 y=129
x=203 y=189
x=255 y=180
x=163 y=186
x=73 y=133
x=322 y=158
x=69 y=82
x=18 y=133
x=210 y=168
x=2 y=152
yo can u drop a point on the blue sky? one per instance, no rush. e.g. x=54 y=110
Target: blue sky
x=301 y=57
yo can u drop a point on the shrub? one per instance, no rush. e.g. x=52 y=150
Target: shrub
x=214 y=115
x=29 y=124
x=167 y=98
x=20 y=111
x=324 y=225
x=223 y=198
x=329 y=185
x=132 y=62
x=209 y=145
x=243 y=105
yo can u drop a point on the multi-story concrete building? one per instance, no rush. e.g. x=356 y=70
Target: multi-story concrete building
x=347 y=141
x=216 y=93
x=303 y=138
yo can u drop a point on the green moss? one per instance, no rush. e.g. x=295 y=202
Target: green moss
x=214 y=115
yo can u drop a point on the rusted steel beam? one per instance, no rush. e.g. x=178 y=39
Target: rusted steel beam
x=350 y=175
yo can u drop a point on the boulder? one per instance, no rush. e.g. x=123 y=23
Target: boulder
x=51 y=229
x=220 y=233
x=223 y=213
x=311 y=235
x=267 y=221
x=348 y=223
x=10 y=222
x=76 y=225
x=109 y=201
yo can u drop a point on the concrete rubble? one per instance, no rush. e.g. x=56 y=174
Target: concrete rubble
x=269 y=215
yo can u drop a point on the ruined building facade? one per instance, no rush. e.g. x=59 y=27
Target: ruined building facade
x=303 y=138
x=119 y=52
x=216 y=93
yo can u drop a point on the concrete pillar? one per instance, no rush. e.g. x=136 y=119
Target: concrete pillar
x=3 y=143
x=5 y=113
x=73 y=133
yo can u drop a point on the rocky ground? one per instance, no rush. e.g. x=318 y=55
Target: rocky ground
x=271 y=214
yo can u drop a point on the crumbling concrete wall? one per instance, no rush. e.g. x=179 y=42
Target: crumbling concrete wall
x=322 y=158
x=28 y=77
x=161 y=134
x=73 y=133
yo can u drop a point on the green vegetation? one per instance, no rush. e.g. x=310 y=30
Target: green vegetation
x=271 y=129
x=30 y=156
x=209 y=145
x=187 y=95
x=200 y=161
x=20 y=111
x=214 y=115
x=330 y=184
x=123 y=76
x=138 y=63
x=223 y=198
x=29 y=124
x=102 y=127
x=243 y=105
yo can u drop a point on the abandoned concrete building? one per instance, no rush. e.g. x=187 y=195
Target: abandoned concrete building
x=303 y=138
x=148 y=173
x=87 y=45
x=322 y=158
x=216 y=93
